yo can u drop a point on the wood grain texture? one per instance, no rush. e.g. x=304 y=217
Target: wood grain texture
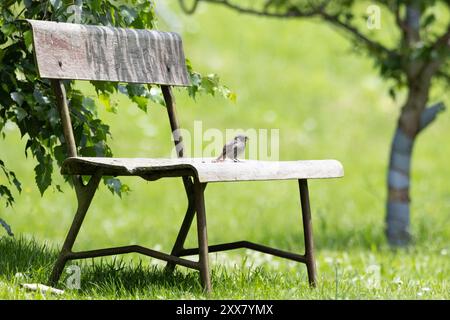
x=205 y=169
x=84 y=52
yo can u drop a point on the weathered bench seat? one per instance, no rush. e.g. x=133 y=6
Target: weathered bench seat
x=204 y=169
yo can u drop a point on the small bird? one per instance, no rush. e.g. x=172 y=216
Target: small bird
x=233 y=149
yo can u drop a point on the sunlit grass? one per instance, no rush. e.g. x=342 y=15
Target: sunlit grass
x=358 y=274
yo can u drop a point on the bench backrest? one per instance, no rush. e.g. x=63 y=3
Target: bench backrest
x=82 y=52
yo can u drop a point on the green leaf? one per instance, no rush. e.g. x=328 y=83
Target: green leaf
x=210 y=83
x=104 y=87
x=392 y=94
x=20 y=76
x=18 y=98
x=135 y=89
x=16 y=182
x=106 y=101
x=89 y=104
x=28 y=3
x=56 y=4
x=428 y=20
x=156 y=96
x=28 y=38
x=20 y=113
x=196 y=79
x=232 y=96
x=43 y=173
x=116 y=186
x=141 y=102
x=128 y=14
x=40 y=98
x=6 y=193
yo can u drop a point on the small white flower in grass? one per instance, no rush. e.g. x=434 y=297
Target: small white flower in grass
x=397 y=281
x=423 y=291
x=268 y=257
x=373 y=276
x=257 y=258
x=444 y=252
x=329 y=260
x=275 y=264
x=20 y=275
x=355 y=280
x=348 y=268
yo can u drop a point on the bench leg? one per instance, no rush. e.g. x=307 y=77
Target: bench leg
x=84 y=196
x=185 y=226
x=202 y=235
x=308 y=232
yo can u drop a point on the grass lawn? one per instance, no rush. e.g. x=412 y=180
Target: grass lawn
x=301 y=78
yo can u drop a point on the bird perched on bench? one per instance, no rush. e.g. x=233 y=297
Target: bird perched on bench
x=233 y=149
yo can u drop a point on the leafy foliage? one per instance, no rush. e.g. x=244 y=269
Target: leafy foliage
x=209 y=84
x=28 y=101
x=12 y=180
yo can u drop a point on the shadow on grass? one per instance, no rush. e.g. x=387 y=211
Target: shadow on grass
x=107 y=276
x=122 y=279
x=116 y=278
x=119 y=280
x=21 y=255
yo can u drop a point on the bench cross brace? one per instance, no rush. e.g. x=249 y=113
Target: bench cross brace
x=196 y=207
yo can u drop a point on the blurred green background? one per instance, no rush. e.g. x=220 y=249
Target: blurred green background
x=297 y=76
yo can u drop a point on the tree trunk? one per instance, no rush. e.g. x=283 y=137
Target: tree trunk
x=410 y=124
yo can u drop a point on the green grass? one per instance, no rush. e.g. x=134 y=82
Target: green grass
x=302 y=78
x=357 y=274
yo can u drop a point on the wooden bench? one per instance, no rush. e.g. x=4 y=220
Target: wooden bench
x=80 y=52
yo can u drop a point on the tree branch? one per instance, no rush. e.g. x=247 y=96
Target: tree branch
x=444 y=76
x=291 y=13
x=334 y=19
x=413 y=15
x=442 y=43
x=398 y=19
x=187 y=10
x=429 y=115
x=316 y=11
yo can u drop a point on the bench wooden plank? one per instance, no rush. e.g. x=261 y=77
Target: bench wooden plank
x=206 y=170
x=84 y=52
